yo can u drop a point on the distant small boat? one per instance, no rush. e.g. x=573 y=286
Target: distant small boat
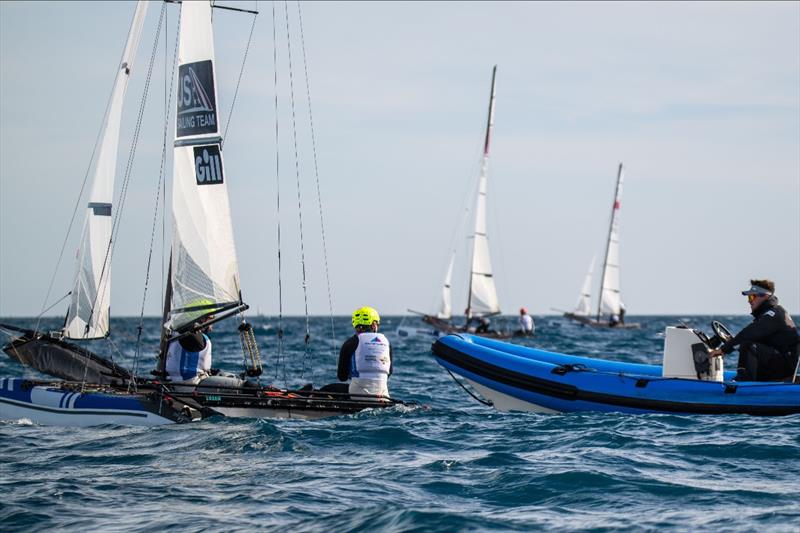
x=517 y=378
x=482 y=301
x=610 y=309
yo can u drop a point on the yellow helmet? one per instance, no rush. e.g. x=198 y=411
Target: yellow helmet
x=365 y=316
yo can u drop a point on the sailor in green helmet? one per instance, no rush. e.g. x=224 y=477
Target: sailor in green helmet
x=366 y=357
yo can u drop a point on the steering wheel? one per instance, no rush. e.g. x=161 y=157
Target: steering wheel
x=721 y=331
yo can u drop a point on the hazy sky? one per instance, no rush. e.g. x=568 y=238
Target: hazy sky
x=700 y=101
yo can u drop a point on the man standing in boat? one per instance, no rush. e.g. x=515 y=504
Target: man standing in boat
x=768 y=347
x=366 y=357
x=526 y=326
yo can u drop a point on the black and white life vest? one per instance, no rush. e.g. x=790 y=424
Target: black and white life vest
x=371 y=358
x=183 y=365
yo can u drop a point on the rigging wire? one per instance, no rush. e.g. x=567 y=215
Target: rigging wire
x=238 y=81
x=279 y=360
x=307 y=337
x=316 y=175
x=160 y=185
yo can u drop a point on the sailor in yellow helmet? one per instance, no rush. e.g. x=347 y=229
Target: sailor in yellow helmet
x=366 y=357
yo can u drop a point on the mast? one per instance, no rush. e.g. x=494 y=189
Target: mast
x=609 y=286
x=482 y=295
x=89 y=309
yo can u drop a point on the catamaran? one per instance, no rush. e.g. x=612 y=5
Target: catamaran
x=203 y=284
x=482 y=301
x=610 y=308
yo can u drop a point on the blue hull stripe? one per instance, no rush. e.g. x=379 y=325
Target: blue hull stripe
x=72 y=411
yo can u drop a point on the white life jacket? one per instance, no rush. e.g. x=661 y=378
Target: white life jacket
x=526 y=322
x=371 y=358
x=183 y=365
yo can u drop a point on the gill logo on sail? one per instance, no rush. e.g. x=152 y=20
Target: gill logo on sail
x=197 y=107
x=208 y=165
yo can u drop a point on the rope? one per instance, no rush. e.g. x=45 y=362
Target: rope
x=279 y=362
x=484 y=402
x=39 y=316
x=316 y=175
x=161 y=181
x=299 y=198
x=239 y=81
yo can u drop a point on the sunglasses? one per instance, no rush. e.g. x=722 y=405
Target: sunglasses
x=751 y=297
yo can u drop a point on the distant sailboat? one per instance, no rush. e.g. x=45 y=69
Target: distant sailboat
x=610 y=309
x=482 y=301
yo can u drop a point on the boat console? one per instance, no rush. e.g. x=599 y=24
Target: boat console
x=686 y=353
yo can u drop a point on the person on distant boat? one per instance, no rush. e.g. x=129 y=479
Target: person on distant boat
x=613 y=320
x=484 y=325
x=366 y=357
x=621 y=314
x=768 y=347
x=189 y=358
x=526 y=326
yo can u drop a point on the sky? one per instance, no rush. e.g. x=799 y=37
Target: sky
x=700 y=102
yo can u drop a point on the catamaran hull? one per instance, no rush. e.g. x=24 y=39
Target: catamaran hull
x=53 y=405
x=525 y=379
x=278 y=413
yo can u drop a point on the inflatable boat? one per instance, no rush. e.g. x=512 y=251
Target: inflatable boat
x=518 y=378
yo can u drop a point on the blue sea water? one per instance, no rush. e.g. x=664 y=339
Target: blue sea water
x=449 y=464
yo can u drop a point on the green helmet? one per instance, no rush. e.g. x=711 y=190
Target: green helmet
x=365 y=316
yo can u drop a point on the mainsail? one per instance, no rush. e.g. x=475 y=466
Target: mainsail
x=584 y=305
x=482 y=299
x=446 y=309
x=205 y=273
x=609 y=288
x=88 y=314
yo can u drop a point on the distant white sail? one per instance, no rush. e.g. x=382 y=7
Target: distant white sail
x=88 y=314
x=446 y=309
x=584 y=305
x=482 y=292
x=205 y=273
x=610 y=289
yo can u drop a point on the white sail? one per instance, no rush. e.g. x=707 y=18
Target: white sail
x=88 y=314
x=482 y=297
x=584 y=305
x=205 y=273
x=446 y=309
x=609 y=289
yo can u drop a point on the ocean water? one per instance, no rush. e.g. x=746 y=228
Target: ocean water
x=448 y=464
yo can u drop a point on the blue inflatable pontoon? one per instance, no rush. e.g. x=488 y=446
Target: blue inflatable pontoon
x=519 y=378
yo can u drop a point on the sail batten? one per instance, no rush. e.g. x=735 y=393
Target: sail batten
x=482 y=298
x=204 y=268
x=89 y=310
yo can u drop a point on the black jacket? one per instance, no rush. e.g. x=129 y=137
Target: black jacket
x=346 y=353
x=771 y=326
